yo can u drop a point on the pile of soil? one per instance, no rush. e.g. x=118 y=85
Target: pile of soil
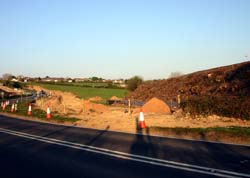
x=233 y=80
x=62 y=102
x=93 y=107
x=115 y=98
x=69 y=104
x=156 y=106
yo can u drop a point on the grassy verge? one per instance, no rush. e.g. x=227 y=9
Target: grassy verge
x=234 y=131
x=86 y=92
x=40 y=114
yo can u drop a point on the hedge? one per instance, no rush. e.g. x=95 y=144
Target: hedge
x=228 y=106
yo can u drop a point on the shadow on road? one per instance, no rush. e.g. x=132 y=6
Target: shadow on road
x=143 y=144
x=57 y=131
x=100 y=133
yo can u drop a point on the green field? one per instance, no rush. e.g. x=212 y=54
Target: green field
x=80 y=84
x=90 y=84
x=86 y=92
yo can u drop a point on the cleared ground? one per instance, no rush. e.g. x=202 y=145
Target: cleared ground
x=117 y=118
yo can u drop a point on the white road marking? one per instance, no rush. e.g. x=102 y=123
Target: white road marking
x=133 y=157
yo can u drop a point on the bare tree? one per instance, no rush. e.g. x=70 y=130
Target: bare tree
x=134 y=82
x=175 y=74
x=7 y=76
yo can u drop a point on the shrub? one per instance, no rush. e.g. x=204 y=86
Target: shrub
x=229 y=106
x=134 y=82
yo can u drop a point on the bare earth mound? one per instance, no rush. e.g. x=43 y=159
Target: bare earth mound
x=92 y=107
x=67 y=103
x=156 y=106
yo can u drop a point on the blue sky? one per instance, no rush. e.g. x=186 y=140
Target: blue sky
x=121 y=38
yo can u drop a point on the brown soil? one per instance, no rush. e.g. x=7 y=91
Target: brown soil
x=156 y=106
x=92 y=107
x=96 y=99
x=37 y=88
x=117 y=119
x=68 y=104
x=115 y=98
x=233 y=80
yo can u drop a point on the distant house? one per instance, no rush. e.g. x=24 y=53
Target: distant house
x=123 y=85
x=14 y=80
x=48 y=79
x=79 y=79
x=87 y=79
x=119 y=81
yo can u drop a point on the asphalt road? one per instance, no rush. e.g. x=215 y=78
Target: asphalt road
x=33 y=149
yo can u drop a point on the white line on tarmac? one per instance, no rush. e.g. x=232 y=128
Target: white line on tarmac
x=133 y=157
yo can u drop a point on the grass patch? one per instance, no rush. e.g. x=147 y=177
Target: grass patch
x=235 y=131
x=85 y=92
x=40 y=114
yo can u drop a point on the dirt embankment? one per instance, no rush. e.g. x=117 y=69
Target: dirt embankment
x=233 y=80
x=68 y=104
